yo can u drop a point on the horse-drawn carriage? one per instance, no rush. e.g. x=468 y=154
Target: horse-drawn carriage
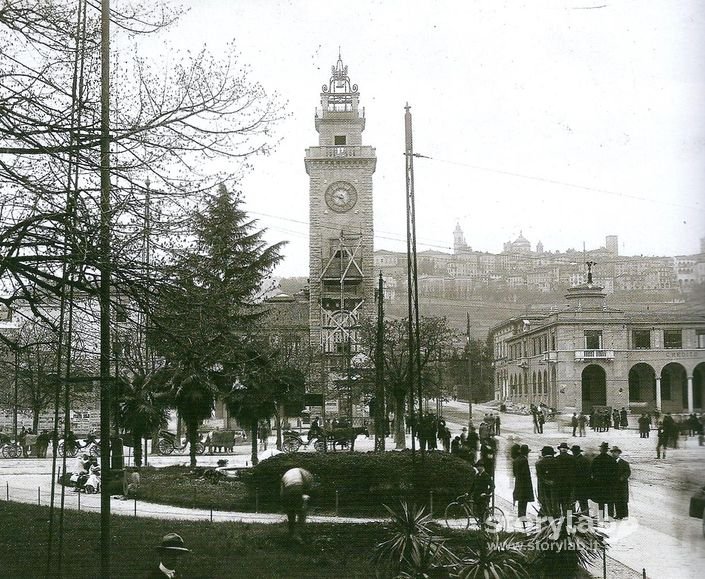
x=10 y=449
x=322 y=438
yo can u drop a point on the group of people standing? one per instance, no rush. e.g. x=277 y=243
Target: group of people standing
x=567 y=481
x=602 y=419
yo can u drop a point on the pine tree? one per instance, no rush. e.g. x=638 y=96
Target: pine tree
x=207 y=313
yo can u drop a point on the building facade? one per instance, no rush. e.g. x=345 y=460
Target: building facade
x=341 y=258
x=587 y=354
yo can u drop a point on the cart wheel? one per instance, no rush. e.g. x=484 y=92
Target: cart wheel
x=72 y=452
x=457 y=516
x=94 y=450
x=290 y=445
x=165 y=447
x=89 y=489
x=319 y=445
x=60 y=449
x=200 y=447
x=17 y=451
x=6 y=451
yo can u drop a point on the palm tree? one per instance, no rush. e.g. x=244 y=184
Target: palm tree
x=141 y=411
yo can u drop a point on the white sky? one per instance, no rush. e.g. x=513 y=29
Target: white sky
x=597 y=111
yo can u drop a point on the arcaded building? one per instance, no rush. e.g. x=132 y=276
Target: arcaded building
x=587 y=354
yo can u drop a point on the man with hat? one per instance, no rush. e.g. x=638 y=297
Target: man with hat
x=564 y=478
x=545 y=478
x=170 y=552
x=482 y=487
x=582 y=479
x=602 y=477
x=523 y=487
x=621 y=486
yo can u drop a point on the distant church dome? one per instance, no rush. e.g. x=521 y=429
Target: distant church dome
x=521 y=244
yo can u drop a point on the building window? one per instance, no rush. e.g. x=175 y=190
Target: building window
x=672 y=339
x=666 y=388
x=700 y=338
x=641 y=339
x=593 y=339
x=340 y=140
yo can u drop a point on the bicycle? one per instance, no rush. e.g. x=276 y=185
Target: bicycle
x=91 y=446
x=463 y=510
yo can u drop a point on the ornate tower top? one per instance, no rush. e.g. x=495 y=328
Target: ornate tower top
x=339 y=121
x=339 y=79
x=339 y=95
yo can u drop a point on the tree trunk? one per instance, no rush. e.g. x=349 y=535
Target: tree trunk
x=399 y=427
x=192 y=436
x=279 y=425
x=253 y=433
x=137 y=447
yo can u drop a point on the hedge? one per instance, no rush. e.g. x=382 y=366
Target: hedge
x=366 y=479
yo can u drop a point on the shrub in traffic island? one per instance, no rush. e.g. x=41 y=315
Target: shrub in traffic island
x=365 y=481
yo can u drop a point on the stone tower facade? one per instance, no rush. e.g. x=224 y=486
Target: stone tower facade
x=341 y=248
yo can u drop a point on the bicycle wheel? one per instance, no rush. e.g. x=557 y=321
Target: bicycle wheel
x=457 y=516
x=495 y=520
x=165 y=447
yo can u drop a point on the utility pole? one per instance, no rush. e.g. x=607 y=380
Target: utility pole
x=105 y=275
x=380 y=407
x=414 y=374
x=469 y=358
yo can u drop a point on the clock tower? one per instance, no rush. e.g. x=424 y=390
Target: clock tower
x=341 y=257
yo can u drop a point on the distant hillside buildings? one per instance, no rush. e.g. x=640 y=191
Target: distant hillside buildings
x=459 y=274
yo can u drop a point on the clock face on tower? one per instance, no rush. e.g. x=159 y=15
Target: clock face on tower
x=341 y=196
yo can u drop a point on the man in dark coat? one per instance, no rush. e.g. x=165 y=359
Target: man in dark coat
x=621 y=486
x=170 y=552
x=523 y=487
x=661 y=441
x=623 y=418
x=482 y=488
x=545 y=478
x=564 y=478
x=582 y=479
x=602 y=477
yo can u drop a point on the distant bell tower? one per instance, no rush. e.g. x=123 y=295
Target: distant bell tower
x=341 y=256
x=459 y=245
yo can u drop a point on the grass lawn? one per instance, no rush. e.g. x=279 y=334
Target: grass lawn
x=218 y=549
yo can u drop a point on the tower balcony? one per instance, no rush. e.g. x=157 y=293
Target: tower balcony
x=341 y=152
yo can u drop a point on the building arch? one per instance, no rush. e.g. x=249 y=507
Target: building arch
x=642 y=386
x=674 y=387
x=594 y=387
x=699 y=386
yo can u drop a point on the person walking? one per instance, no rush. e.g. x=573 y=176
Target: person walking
x=582 y=479
x=545 y=479
x=623 y=418
x=542 y=420
x=296 y=484
x=602 y=480
x=170 y=550
x=615 y=419
x=497 y=425
x=621 y=486
x=661 y=441
x=574 y=422
x=582 y=419
x=523 y=486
